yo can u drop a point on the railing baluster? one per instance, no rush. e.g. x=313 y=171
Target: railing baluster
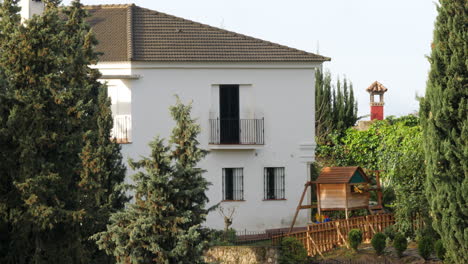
x=236 y=131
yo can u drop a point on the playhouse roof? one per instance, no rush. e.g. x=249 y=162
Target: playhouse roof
x=333 y=175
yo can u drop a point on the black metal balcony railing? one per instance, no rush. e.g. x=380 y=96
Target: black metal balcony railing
x=122 y=130
x=237 y=131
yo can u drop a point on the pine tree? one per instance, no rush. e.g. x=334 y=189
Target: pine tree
x=444 y=118
x=49 y=117
x=163 y=225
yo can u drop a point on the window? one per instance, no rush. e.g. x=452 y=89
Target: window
x=274 y=184
x=121 y=99
x=233 y=184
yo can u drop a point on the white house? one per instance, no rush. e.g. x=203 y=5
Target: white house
x=253 y=99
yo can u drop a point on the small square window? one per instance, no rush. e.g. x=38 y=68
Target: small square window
x=233 y=184
x=274 y=184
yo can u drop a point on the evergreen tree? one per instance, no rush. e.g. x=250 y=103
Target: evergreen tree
x=323 y=106
x=444 y=116
x=163 y=225
x=57 y=182
x=335 y=107
x=101 y=176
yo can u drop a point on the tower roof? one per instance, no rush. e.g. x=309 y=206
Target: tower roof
x=376 y=87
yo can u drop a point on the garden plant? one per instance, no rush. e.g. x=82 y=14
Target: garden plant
x=425 y=247
x=378 y=243
x=292 y=251
x=400 y=244
x=355 y=238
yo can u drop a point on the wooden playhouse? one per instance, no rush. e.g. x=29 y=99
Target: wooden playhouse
x=342 y=188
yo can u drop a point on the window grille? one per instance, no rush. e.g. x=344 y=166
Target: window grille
x=233 y=184
x=274 y=184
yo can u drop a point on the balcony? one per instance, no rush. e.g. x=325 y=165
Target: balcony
x=236 y=133
x=122 y=130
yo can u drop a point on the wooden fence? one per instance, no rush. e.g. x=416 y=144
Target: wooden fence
x=320 y=238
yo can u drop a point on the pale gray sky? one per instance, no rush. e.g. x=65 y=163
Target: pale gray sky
x=368 y=40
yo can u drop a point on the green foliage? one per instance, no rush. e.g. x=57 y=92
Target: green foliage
x=425 y=247
x=57 y=185
x=444 y=118
x=400 y=244
x=292 y=251
x=390 y=232
x=378 y=243
x=335 y=107
x=164 y=223
x=355 y=238
x=439 y=249
x=221 y=238
x=395 y=147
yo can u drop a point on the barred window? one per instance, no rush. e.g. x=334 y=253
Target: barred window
x=233 y=184
x=274 y=184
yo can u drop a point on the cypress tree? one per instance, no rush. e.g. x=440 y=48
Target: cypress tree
x=335 y=107
x=323 y=105
x=101 y=176
x=444 y=118
x=163 y=225
x=57 y=183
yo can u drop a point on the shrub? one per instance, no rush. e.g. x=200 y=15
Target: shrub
x=220 y=237
x=378 y=243
x=292 y=251
x=425 y=247
x=355 y=238
x=427 y=231
x=390 y=232
x=439 y=249
x=400 y=244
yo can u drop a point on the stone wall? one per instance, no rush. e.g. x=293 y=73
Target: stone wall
x=242 y=255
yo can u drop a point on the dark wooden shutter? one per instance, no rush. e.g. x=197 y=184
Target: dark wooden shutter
x=229 y=114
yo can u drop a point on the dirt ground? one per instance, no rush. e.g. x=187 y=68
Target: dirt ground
x=366 y=254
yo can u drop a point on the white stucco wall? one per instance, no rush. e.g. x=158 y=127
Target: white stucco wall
x=281 y=93
x=30 y=8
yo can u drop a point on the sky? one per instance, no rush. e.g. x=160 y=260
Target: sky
x=367 y=40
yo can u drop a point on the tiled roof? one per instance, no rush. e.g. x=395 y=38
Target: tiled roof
x=376 y=87
x=132 y=33
x=338 y=174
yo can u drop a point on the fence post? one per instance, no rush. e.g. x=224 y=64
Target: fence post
x=341 y=235
x=308 y=242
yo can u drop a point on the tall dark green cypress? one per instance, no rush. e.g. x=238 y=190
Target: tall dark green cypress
x=444 y=117
x=335 y=107
x=323 y=106
x=51 y=198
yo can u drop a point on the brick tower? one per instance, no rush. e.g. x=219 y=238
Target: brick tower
x=377 y=108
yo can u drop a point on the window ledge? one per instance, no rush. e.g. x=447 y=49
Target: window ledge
x=266 y=200
x=232 y=201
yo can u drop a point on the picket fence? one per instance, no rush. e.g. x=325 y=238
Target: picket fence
x=323 y=237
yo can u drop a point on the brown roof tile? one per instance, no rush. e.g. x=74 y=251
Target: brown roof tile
x=132 y=33
x=376 y=87
x=338 y=174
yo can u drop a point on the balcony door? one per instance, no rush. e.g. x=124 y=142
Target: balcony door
x=229 y=114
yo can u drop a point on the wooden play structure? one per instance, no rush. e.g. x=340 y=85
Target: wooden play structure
x=343 y=189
